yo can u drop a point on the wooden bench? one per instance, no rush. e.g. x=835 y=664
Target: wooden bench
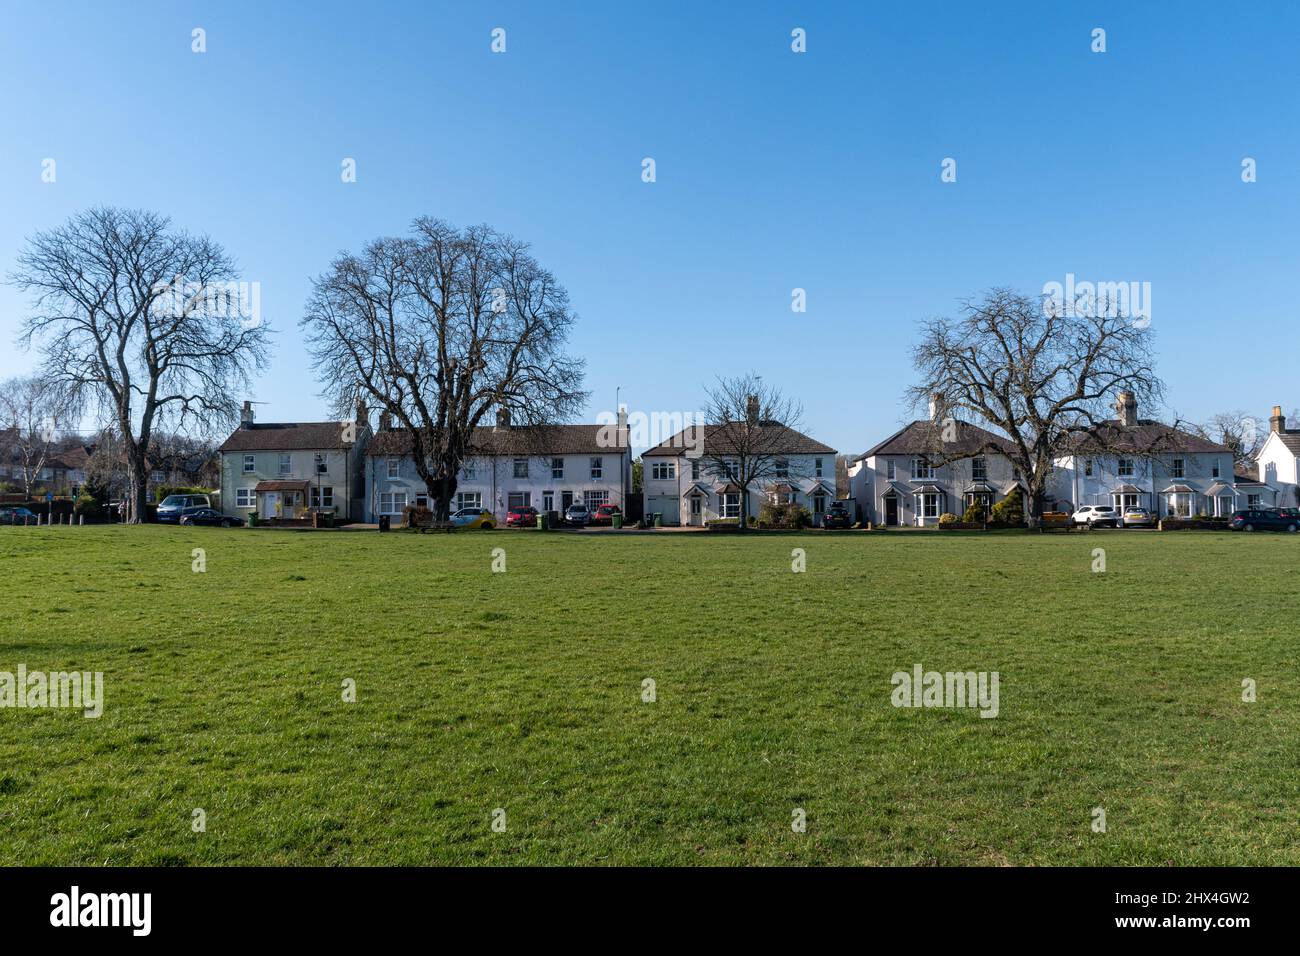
x=422 y=520
x=1055 y=521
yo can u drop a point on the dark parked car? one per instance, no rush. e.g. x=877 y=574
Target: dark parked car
x=209 y=516
x=521 y=517
x=577 y=515
x=175 y=507
x=837 y=516
x=605 y=514
x=1262 y=519
x=16 y=516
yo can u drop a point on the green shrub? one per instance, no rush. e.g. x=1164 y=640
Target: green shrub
x=85 y=505
x=783 y=516
x=974 y=514
x=947 y=518
x=1010 y=511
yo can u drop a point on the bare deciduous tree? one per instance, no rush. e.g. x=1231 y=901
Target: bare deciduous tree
x=1238 y=432
x=135 y=318
x=749 y=430
x=1042 y=373
x=34 y=413
x=439 y=329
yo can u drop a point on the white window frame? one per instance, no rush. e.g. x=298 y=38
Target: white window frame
x=1178 y=468
x=663 y=469
x=817 y=467
x=469 y=499
x=979 y=468
x=250 y=464
x=594 y=499
x=468 y=470
x=729 y=505
x=245 y=498
x=392 y=502
x=929 y=505
x=392 y=465
x=781 y=467
x=922 y=469
x=519 y=499
x=557 y=469
x=518 y=464
x=891 y=469
x=597 y=468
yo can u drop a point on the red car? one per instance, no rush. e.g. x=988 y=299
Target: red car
x=605 y=514
x=521 y=517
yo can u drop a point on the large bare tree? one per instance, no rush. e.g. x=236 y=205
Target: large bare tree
x=1236 y=431
x=136 y=318
x=1042 y=372
x=34 y=414
x=750 y=429
x=440 y=329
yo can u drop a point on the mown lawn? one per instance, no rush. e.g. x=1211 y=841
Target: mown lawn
x=523 y=691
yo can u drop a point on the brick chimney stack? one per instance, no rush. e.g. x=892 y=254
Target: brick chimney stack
x=503 y=418
x=1126 y=408
x=936 y=407
x=751 y=409
x=1278 y=422
x=385 y=421
x=246 y=415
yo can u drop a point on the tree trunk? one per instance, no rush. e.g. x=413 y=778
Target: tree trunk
x=137 y=490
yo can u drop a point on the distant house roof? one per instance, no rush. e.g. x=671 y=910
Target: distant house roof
x=1146 y=437
x=286 y=436
x=518 y=440
x=715 y=442
x=925 y=437
x=1291 y=439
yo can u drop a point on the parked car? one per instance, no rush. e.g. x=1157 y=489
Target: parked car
x=837 y=516
x=175 y=507
x=209 y=516
x=474 y=518
x=1262 y=519
x=1138 y=517
x=577 y=515
x=18 y=515
x=605 y=514
x=521 y=517
x=1096 y=516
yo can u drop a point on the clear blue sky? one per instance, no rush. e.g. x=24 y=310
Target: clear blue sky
x=775 y=170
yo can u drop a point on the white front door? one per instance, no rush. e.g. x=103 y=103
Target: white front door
x=270 y=503
x=697 y=511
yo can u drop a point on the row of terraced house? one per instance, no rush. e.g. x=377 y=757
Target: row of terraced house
x=287 y=470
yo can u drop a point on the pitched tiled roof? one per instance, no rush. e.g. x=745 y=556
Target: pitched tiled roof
x=286 y=436
x=1146 y=437
x=791 y=442
x=1291 y=439
x=518 y=440
x=921 y=436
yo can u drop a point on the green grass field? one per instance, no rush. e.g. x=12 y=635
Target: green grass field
x=523 y=691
